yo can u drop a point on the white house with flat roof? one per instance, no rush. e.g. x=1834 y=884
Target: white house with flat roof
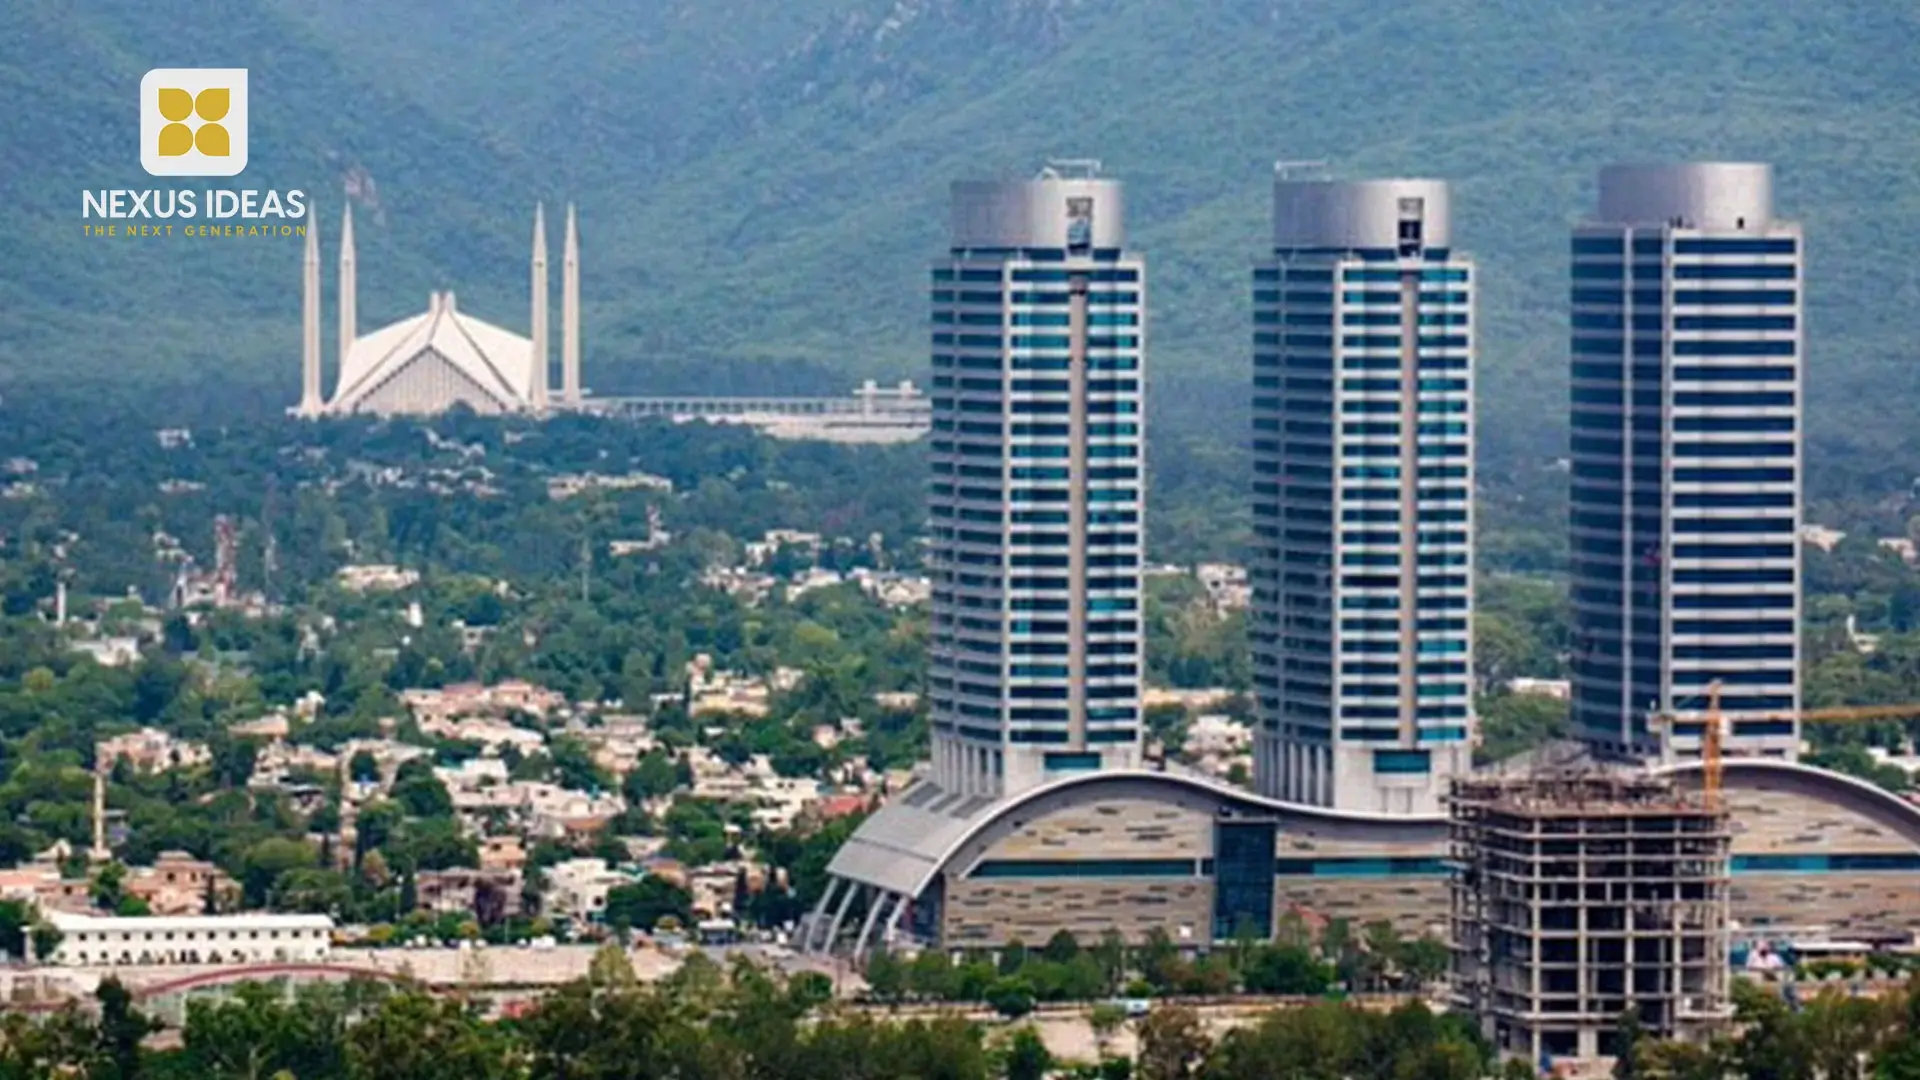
x=111 y=941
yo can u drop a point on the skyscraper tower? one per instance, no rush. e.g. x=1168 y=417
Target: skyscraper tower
x=1363 y=481
x=1035 y=642
x=1685 y=515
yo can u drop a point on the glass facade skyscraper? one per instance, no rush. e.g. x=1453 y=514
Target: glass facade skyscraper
x=1035 y=504
x=1686 y=460
x=1363 y=483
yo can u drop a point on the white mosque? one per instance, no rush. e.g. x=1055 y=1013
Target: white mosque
x=442 y=357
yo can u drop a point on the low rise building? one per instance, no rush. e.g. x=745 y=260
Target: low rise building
x=893 y=589
x=577 y=889
x=1226 y=585
x=812 y=578
x=150 y=750
x=110 y=651
x=489 y=895
x=750 y=586
x=1820 y=536
x=376 y=577
x=1561 y=689
x=568 y=485
x=1215 y=743
x=179 y=884
x=503 y=853
x=759 y=551
x=444 y=704
x=112 y=941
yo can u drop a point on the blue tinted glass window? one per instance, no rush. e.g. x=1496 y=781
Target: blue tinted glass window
x=1758 y=424
x=1732 y=374
x=1401 y=761
x=1733 y=245
x=1733 y=322
x=1599 y=245
x=1750 y=399
x=1243 y=878
x=1733 y=272
x=1733 y=348
x=1734 y=297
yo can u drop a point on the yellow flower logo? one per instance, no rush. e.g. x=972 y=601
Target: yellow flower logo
x=211 y=106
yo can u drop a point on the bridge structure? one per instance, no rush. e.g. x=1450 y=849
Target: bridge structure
x=166 y=999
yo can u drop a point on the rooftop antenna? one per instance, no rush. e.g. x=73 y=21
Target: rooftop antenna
x=1284 y=170
x=1070 y=168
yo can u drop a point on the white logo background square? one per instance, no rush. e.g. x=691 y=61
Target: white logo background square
x=193 y=80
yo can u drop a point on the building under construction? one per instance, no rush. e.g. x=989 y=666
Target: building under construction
x=1578 y=894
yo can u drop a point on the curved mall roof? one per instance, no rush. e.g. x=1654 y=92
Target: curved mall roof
x=915 y=836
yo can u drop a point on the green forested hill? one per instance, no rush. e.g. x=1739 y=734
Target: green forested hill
x=765 y=179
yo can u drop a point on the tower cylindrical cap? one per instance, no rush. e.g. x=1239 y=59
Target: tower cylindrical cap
x=1047 y=212
x=1701 y=195
x=1359 y=213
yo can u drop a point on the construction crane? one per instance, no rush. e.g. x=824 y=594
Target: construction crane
x=1712 y=730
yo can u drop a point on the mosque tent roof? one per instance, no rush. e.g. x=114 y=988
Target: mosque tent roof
x=497 y=363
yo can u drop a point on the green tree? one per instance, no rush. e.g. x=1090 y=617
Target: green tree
x=1061 y=947
x=1173 y=1044
x=410 y=1036
x=641 y=905
x=121 y=1030
x=1013 y=957
x=16 y=918
x=1011 y=996
x=1105 y=1020
x=423 y=796
x=1027 y=1057
x=1285 y=969
x=265 y=861
x=109 y=886
x=1425 y=961
x=886 y=976
x=254 y=1034
x=1515 y=723
x=652 y=776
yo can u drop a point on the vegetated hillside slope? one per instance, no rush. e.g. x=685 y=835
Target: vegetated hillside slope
x=766 y=180
x=178 y=308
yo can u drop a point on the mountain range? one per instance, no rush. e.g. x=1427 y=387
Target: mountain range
x=762 y=182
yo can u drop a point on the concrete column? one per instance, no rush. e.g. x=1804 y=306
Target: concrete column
x=866 y=927
x=833 y=928
x=893 y=921
x=815 y=920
